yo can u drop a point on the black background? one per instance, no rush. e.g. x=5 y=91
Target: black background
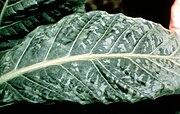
x=162 y=105
x=154 y=10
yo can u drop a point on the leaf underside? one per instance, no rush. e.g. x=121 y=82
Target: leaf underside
x=92 y=57
x=22 y=16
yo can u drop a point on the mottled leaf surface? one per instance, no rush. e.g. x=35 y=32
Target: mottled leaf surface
x=22 y=16
x=92 y=57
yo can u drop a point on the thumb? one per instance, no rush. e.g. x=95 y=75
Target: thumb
x=175 y=17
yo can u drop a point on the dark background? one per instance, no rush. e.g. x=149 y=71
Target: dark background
x=154 y=10
x=163 y=105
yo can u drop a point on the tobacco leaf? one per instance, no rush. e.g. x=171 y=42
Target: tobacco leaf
x=92 y=57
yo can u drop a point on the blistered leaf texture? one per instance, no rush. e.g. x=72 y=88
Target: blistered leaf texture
x=92 y=57
x=22 y=16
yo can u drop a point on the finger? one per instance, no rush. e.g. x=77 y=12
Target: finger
x=175 y=17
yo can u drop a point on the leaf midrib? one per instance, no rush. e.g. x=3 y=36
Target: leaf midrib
x=15 y=73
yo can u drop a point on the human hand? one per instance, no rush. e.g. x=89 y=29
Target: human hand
x=175 y=17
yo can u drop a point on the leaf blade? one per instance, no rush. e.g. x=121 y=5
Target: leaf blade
x=126 y=72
